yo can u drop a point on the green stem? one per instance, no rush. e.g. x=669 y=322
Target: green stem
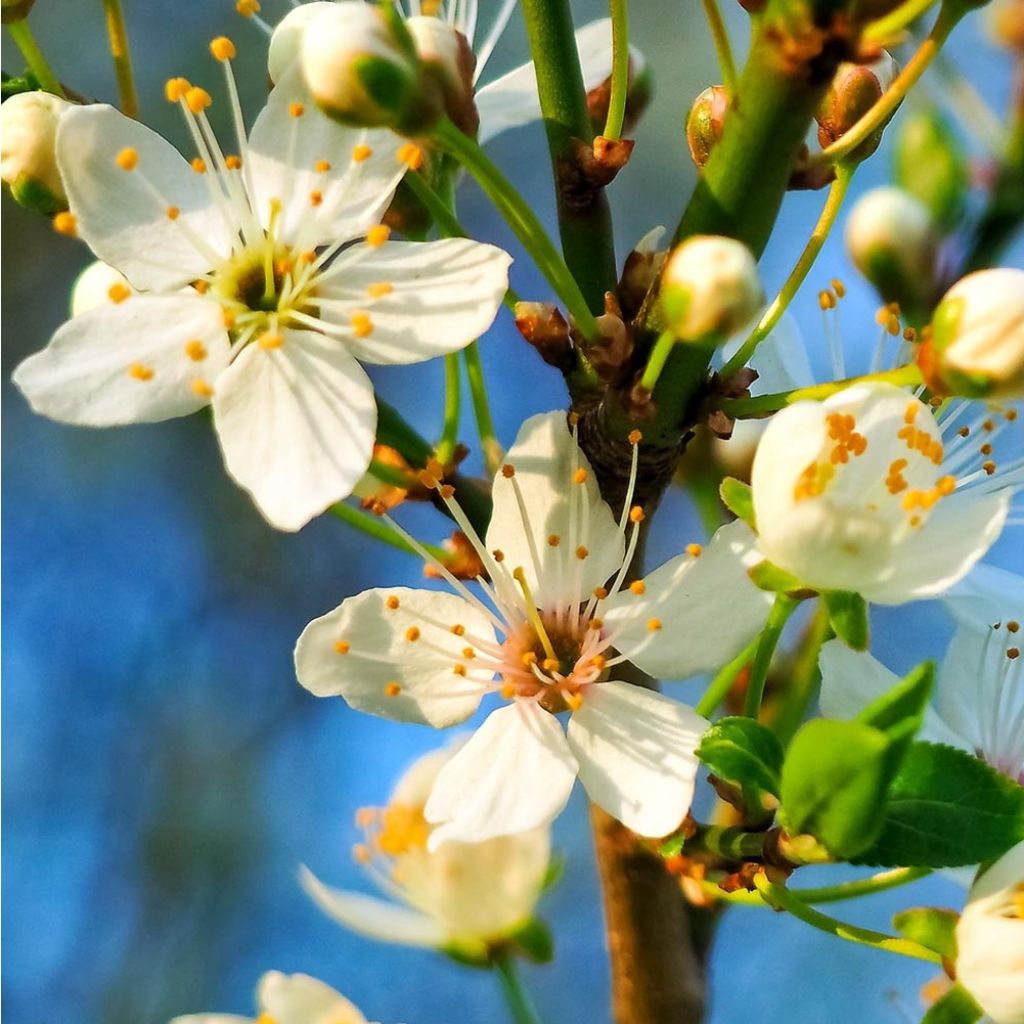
x=949 y=14
x=762 y=405
x=519 y=1005
x=388 y=474
x=489 y=444
x=619 y=11
x=782 y=609
x=393 y=431
x=26 y=42
x=584 y=220
x=723 y=49
x=379 y=530
x=659 y=356
x=826 y=221
x=731 y=843
x=889 y=27
x=881 y=882
x=723 y=681
x=452 y=407
x=804 y=677
x=121 y=53
x=784 y=899
x=521 y=218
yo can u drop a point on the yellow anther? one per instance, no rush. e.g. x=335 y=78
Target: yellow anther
x=636 y=514
x=271 y=340
x=468 y=653
x=1011 y=415
x=458 y=629
x=202 y=287
x=826 y=300
x=635 y=437
x=839 y=288
x=508 y=691
x=197 y=99
x=411 y=155
x=638 y=587
x=446 y=491
x=909 y=334
x=176 y=88
x=196 y=350
x=65 y=224
x=321 y=166
x=498 y=555
x=141 y=372
x=283 y=266
x=694 y=550
x=985 y=449
x=988 y=425
x=580 y=476
x=989 y=467
x=296 y=110
x=1013 y=626
x=247 y=8
x=362 y=325
x=573 y=700
x=233 y=163
x=128 y=158
x=1013 y=653
x=911 y=411
x=654 y=625
x=595 y=624
x=392 y=603
x=599 y=661
x=392 y=690
x=316 y=197
x=222 y=48
x=550 y=665
x=118 y=292
x=412 y=634
x=508 y=471
x=228 y=318
x=946 y=485
x=198 y=165
x=529 y=658
x=892 y=325
x=554 y=540
x=582 y=552
x=201 y=389
x=308 y=256
x=361 y=152
x=379 y=289
x=459 y=669
x=600 y=593
x=173 y=212
x=378 y=235
x=343 y=647
x=914 y=498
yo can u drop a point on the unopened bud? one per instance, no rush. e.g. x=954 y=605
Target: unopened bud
x=544 y=327
x=286 y=42
x=447 y=56
x=930 y=164
x=892 y=242
x=976 y=347
x=705 y=122
x=98 y=285
x=362 y=70
x=855 y=89
x=28 y=160
x=709 y=288
x=1007 y=24
x=640 y=271
x=15 y=10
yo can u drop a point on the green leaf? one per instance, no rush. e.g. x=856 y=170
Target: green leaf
x=738 y=499
x=770 y=577
x=834 y=782
x=900 y=712
x=946 y=809
x=553 y=875
x=534 y=941
x=741 y=750
x=932 y=927
x=930 y=164
x=957 y=1006
x=848 y=616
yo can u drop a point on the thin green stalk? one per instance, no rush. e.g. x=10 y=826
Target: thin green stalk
x=619 y=11
x=26 y=42
x=881 y=882
x=826 y=221
x=949 y=15
x=521 y=218
x=804 y=677
x=490 y=446
x=388 y=474
x=889 y=27
x=452 y=409
x=782 y=609
x=519 y=1005
x=723 y=49
x=731 y=843
x=785 y=899
x=723 y=681
x=762 y=405
x=656 y=362
x=379 y=530
x=121 y=53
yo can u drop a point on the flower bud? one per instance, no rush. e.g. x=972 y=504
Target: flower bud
x=855 y=89
x=976 y=347
x=891 y=240
x=362 y=69
x=98 y=285
x=640 y=270
x=28 y=162
x=638 y=95
x=15 y=10
x=709 y=288
x=447 y=56
x=705 y=122
x=931 y=165
x=286 y=42
x=1007 y=24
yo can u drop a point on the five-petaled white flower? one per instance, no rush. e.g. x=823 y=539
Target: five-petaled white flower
x=264 y=276
x=288 y=999
x=459 y=896
x=560 y=618
x=863 y=492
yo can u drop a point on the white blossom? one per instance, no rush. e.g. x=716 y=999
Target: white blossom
x=28 y=163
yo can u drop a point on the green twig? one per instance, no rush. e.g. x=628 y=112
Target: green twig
x=826 y=221
x=26 y=42
x=452 y=408
x=804 y=677
x=782 y=609
x=889 y=27
x=723 y=49
x=859 y=887
x=490 y=446
x=619 y=10
x=121 y=53
x=663 y=348
x=518 y=1001
x=379 y=530
x=724 y=680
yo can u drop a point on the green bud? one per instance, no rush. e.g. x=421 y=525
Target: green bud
x=855 y=89
x=929 y=164
x=28 y=162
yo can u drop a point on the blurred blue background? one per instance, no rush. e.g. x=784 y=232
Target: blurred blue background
x=164 y=774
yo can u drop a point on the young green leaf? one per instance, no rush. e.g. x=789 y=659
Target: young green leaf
x=957 y=1006
x=932 y=927
x=900 y=712
x=534 y=941
x=737 y=498
x=771 y=577
x=743 y=751
x=946 y=809
x=848 y=616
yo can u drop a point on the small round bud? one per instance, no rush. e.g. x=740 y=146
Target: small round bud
x=286 y=42
x=1006 y=24
x=705 y=122
x=976 y=347
x=929 y=163
x=709 y=288
x=28 y=161
x=98 y=285
x=447 y=56
x=855 y=89
x=359 y=69
x=891 y=240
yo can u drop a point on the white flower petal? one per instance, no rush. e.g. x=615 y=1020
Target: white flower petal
x=956 y=535
x=300 y=999
x=375 y=918
x=128 y=363
x=545 y=458
x=119 y=216
x=707 y=606
x=987 y=595
x=514 y=774
x=296 y=425
x=781 y=360
x=442 y=296
x=284 y=151
x=429 y=690
x=636 y=754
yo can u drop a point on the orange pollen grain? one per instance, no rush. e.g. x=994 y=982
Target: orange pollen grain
x=140 y=372
x=222 y=48
x=392 y=603
x=654 y=625
x=316 y=197
x=128 y=158
x=65 y=224
x=1013 y=653
x=197 y=99
x=118 y=292
x=635 y=437
x=271 y=341
x=600 y=593
x=232 y=162
x=508 y=471
x=580 y=476
x=554 y=540
x=321 y=166
x=361 y=152
x=447 y=491
x=468 y=653
x=343 y=647
x=176 y=88
x=694 y=550
x=636 y=514
x=198 y=165
x=362 y=325
x=412 y=634
x=392 y=690
x=228 y=318
x=989 y=466
x=1013 y=626
x=379 y=289
x=595 y=624
x=459 y=669
x=498 y=555
x=985 y=449
x=457 y=629
x=378 y=235
x=195 y=350
x=638 y=587
x=411 y=155
x=201 y=389
x=296 y=110
x=173 y=212
x=582 y=552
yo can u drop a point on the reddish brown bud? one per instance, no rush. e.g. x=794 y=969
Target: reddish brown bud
x=855 y=89
x=544 y=327
x=705 y=122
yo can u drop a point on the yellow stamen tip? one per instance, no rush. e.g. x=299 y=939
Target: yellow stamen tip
x=392 y=603
x=128 y=158
x=638 y=587
x=176 y=88
x=378 y=235
x=197 y=99
x=635 y=437
x=196 y=350
x=379 y=289
x=321 y=167
x=636 y=514
x=199 y=165
x=392 y=690
x=580 y=476
x=362 y=325
x=411 y=155
x=316 y=197
x=271 y=341
x=118 y=292
x=361 y=152
x=296 y=109
x=247 y=8
x=694 y=550
x=173 y=212
x=222 y=48
x=140 y=372
x=573 y=700
x=554 y=540
x=201 y=389
x=65 y=224
x=458 y=629
x=582 y=552
x=412 y=634
x=654 y=625
x=343 y=647
x=233 y=163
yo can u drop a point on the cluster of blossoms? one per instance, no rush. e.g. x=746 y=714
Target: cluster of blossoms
x=257 y=278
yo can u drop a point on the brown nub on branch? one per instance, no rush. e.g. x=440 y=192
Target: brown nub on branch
x=808 y=176
x=612 y=350
x=544 y=327
x=736 y=386
x=639 y=272
x=588 y=168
